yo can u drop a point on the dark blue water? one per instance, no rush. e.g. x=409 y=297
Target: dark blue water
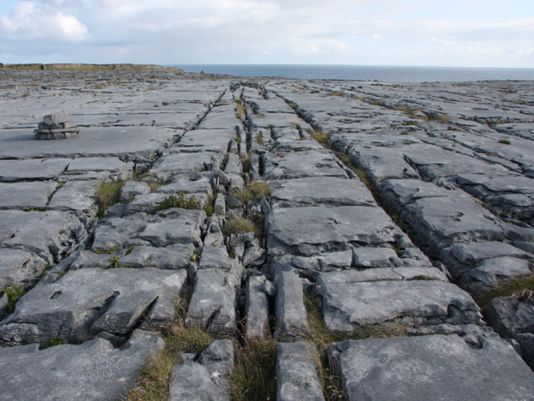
x=367 y=73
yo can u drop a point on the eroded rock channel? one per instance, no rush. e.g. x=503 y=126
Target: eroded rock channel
x=217 y=239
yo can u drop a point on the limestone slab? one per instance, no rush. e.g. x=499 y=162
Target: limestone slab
x=437 y=367
x=93 y=371
x=87 y=302
x=26 y=194
x=349 y=304
x=320 y=191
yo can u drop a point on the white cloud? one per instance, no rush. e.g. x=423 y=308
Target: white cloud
x=28 y=21
x=268 y=31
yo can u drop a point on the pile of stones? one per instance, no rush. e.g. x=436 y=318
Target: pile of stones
x=56 y=126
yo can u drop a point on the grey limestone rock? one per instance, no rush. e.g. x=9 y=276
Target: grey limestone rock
x=77 y=196
x=351 y=304
x=296 y=372
x=89 y=302
x=513 y=317
x=374 y=257
x=288 y=165
x=175 y=226
x=440 y=217
x=207 y=378
x=437 y=367
x=19 y=268
x=50 y=234
x=3 y=303
x=213 y=303
x=92 y=371
x=257 y=307
x=35 y=169
x=320 y=191
x=310 y=230
x=28 y=195
x=113 y=166
x=133 y=188
x=485 y=264
x=291 y=317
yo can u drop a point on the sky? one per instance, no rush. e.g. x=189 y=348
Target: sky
x=470 y=33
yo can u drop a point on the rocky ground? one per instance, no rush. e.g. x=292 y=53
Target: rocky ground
x=208 y=238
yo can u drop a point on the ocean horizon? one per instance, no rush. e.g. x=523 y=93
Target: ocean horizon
x=387 y=74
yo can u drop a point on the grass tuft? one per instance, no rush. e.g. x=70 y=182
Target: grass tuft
x=180 y=201
x=321 y=137
x=114 y=261
x=254 y=190
x=337 y=93
x=238 y=224
x=253 y=377
x=509 y=288
x=505 y=141
x=13 y=294
x=240 y=110
x=209 y=207
x=153 y=381
x=260 y=140
x=107 y=195
x=246 y=163
x=153 y=185
x=52 y=343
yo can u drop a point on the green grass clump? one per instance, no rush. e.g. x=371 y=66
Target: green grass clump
x=246 y=163
x=253 y=377
x=505 y=141
x=108 y=194
x=240 y=110
x=321 y=137
x=13 y=294
x=114 y=261
x=180 y=201
x=507 y=288
x=337 y=93
x=153 y=381
x=153 y=185
x=52 y=343
x=260 y=140
x=238 y=224
x=254 y=190
x=209 y=207
x=443 y=118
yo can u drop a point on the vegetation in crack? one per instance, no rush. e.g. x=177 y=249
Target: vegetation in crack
x=107 y=195
x=153 y=381
x=253 y=377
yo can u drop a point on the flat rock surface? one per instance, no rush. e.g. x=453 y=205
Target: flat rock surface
x=302 y=164
x=26 y=194
x=93 y=371
x=315 y=191
x=349 y=305
x=101 y=141
x=49 y=234
x=385 y=201
x=330 y=227
x=87 y=302
x=441 y=368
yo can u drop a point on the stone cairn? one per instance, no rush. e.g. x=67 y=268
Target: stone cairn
x=56 y=126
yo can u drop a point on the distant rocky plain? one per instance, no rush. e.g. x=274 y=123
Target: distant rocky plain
x=330 y=240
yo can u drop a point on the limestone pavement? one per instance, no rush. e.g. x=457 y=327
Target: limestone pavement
x=381 y=235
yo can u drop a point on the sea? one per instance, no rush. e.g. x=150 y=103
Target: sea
x=389 y=74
